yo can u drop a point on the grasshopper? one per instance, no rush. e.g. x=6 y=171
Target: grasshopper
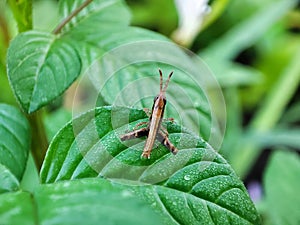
x=154 y=130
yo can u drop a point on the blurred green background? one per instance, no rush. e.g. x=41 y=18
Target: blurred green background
x=253 y=48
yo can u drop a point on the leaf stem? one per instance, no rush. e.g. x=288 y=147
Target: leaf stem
x=58 y=29
x=39 y=142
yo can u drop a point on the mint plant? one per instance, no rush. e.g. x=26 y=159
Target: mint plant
x=87 y=175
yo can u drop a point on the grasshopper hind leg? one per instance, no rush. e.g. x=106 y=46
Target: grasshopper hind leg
x=164 y=139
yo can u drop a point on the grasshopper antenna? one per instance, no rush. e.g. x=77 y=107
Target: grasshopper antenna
x=161 y=80
x=167 y=82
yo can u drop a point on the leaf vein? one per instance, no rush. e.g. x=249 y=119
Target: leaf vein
x=39 y=67
x=9 y=151
x=12 y=133
x=165 y=208
x=207 y=178
x=14 y=120
x=210 y=213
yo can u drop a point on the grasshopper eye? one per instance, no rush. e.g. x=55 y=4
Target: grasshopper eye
x=156 y=97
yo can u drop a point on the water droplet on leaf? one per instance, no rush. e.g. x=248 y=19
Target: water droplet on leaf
x=187 y=177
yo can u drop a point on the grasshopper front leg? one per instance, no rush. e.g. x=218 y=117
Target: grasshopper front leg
x=135 y=134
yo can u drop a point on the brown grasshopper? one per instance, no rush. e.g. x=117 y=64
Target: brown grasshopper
x=154 y=130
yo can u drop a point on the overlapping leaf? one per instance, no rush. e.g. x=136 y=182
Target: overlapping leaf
x=41 y=65
x=196 y=186
x=96 y=15
x=14 y=146
x=86 y=201
x=17 y=208
x=8 y=182
x=281 y=187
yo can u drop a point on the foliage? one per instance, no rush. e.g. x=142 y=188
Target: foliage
x=282 y=198
x=86 y=172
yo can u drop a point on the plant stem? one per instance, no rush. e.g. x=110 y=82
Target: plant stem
x=68 y=18
x=269 y=114
x=39 y=142
x=22 y=11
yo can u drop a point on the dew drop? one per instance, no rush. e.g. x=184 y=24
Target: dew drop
x=187 y=177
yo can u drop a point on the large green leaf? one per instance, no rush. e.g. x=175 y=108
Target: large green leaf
x=137 y=84
x=111 y=69
x=97 y=14
x=117 y=57
x=97 y=23
x=41 y=65
x=17 y=208
x=196 y=186
x=90 y=202
x=85 y=201
x=98 y=20
x=8 y=182
x=282 y=184
x=14 y=144
x=125 y=75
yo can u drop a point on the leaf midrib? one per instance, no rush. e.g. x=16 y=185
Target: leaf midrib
x=52 y=40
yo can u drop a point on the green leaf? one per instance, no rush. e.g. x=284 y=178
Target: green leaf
x=17 y=208
x=14 y=142
x=137 y=84
x=31 y=178
x=233 y=74
x=121 y=76
x=88 y=201
x=292 y=115
x=85 y=201
x=119 y=55
x=97 y=23
x=40 y=67
x=288 y=137
x=22 y=11
x=281 y=182
x=97 y=15
x=195 y=185
x=55 y=121
x=151 y=50
x=8 y=182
